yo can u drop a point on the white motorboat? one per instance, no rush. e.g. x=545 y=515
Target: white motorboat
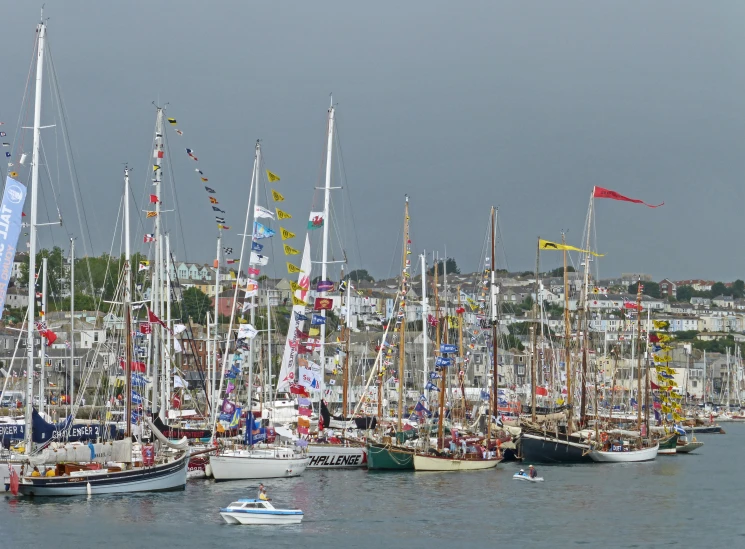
x=258 y=463
x=525 y=477
x=625 y=456
x=256 y=511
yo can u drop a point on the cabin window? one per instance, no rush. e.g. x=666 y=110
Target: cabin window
x=235 y=504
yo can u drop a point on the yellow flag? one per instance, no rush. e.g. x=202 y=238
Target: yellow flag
x=314 y=332
x=660 y=324
x=286 y=234
x=290 y=251
x=298 y=301
x=546 y=245
x=294 y=286
x=293 y=269
x=271 y=176
x=151 y=214
x=155 y=167
x=277 y=197
x=283 y=215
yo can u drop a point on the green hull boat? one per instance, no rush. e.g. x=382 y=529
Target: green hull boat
x=385 y=457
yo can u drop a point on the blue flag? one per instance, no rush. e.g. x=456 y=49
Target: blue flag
x=448 y=348
x=431 y=386
x=443 y=361
x=254 y=432
x=136 y=398
x=300 y=317
x=434 y=375
x=262 y=231
x=484 y=395
x=256 y=247
x=10 y=227
x=318 y=319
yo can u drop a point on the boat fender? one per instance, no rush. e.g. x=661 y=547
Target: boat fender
x=604 y=437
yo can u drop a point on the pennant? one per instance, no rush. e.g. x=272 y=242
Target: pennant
x=213 y=200
x=292 y=268
x=179 y=132
x=295 y=287
x=271 y=176
x=290 y=251
x=209 y=190
x=247 y=305
x=300 y=317
x=246 y=331
x=253 y=271
x=154 y=199
x=172 y=121
x=262 y=231
x=257 y=259
x=157 y=154
x=220 y=219
x=546 y=245
x=155 y=167
x=260 y=212
x=600 y=192
x=190 y=152
x=204 y=179
x=6 y=144
x=299 y=302
x=282 y=215
x=149 y=238
x=323 y=304
x=225 y=227
x=151 y=214
x=277 y=197
x=144 y=266
x=256 y=247
x=231 y=261
x=151 y=316
x=286 y=234
x=227 y=251
x=216 y=209
x=315 y=221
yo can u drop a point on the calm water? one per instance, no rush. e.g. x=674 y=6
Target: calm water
x=693 y=500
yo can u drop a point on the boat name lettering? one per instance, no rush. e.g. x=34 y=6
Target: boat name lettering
x=350 y=461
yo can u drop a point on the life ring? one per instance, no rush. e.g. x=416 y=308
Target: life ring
x=604 y=437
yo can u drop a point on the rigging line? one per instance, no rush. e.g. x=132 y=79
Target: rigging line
x=274 y=264
x=500 y=240
x=75 y=182
x=343 y=170
x=172 y=179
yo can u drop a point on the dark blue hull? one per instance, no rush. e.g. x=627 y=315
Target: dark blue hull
x=548 y=449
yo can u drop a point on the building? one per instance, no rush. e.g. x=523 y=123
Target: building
x=668 y=288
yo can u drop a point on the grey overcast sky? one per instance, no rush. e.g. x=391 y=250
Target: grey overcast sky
x=523 y=105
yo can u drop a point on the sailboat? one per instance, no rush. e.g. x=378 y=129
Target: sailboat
x=87 y=469
x=388 y=454
x=252 y=461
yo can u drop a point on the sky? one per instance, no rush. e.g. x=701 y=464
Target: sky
x=520 y=105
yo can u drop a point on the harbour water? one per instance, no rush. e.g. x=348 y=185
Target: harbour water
x=684 y=500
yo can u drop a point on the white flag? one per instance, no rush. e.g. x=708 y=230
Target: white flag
x=178 y=328
x=247 y=331
x=176 y=346
x=252 y=287
x=178 y=382
x=247 y=305
x=260 y=212
x=258 y=259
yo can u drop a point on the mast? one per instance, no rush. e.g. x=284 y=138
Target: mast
x=41 y=30
x=255 y=177
x=494 y=312
x=326 y=223
x=438 y=353
x=567 y=340
x=269 y=348
x=402 y=327
x=639 y=356
x=72 y=322
x=348 y=341
x=534 y=356
x=424 y=318
x=215 y=344
x=461 y=378
x=43 y=315
x=585 y=311
x=157 y=298
x=169 y=346
x=127 y=315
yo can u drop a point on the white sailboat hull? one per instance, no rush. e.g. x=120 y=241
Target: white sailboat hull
x=647 y=454
x=335 y=456
x=256 y=465
x=432 y=463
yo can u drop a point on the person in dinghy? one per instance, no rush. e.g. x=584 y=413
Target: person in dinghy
x=533 y=472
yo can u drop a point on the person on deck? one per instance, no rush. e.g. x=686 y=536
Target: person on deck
x=35 y=472
x=262 y=493
x=533 y=472
x=50 y=473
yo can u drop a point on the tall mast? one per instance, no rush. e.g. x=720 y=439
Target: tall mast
x=639 y=355
x=41 y=30
x=169 y=355
x=494 y=313
x=157 y=298
x=461 y=367
x=71 y=394
x=255 y=177
x=127 y=315
x=402 y=328
x=424 y=318
x=534 y=357
x=347 y=341
x=215 y=344
x=567 y=337
x=585 y=311
x=43 y=315
x=326 y=223
x=438 y=353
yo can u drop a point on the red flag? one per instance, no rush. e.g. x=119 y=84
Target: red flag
x=653 y=385
x=600 y=192
x=323 y=303
x=145 y=328
x=460 y=310
x=253 y=271
x=176 y=402
x=51 y=337
x=297 y=389
x=139 y=367
x=153 y=318
x=154 y=199
x=541 y=391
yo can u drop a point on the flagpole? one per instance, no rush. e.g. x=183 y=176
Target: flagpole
x=256 y=181
x=41 y=33
x=127 y=315
x=42 y=346
x=156 y=289
x=324 y=259
x=424 y=317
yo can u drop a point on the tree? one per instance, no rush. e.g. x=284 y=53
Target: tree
x=738 y=289
x=718 y=288
x=452 y=267
x=360 y=275
x=195 y=304
x=559 y=271
x=652 y=289
x=56 y=275
x=684 y=293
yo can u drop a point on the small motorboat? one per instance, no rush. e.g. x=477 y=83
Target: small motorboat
x=686 y=447
x=256 y=511
x=526 y=477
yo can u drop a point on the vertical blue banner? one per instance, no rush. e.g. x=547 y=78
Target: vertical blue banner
x=11 y=211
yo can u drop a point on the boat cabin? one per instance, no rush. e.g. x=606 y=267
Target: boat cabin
x=249 y=504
